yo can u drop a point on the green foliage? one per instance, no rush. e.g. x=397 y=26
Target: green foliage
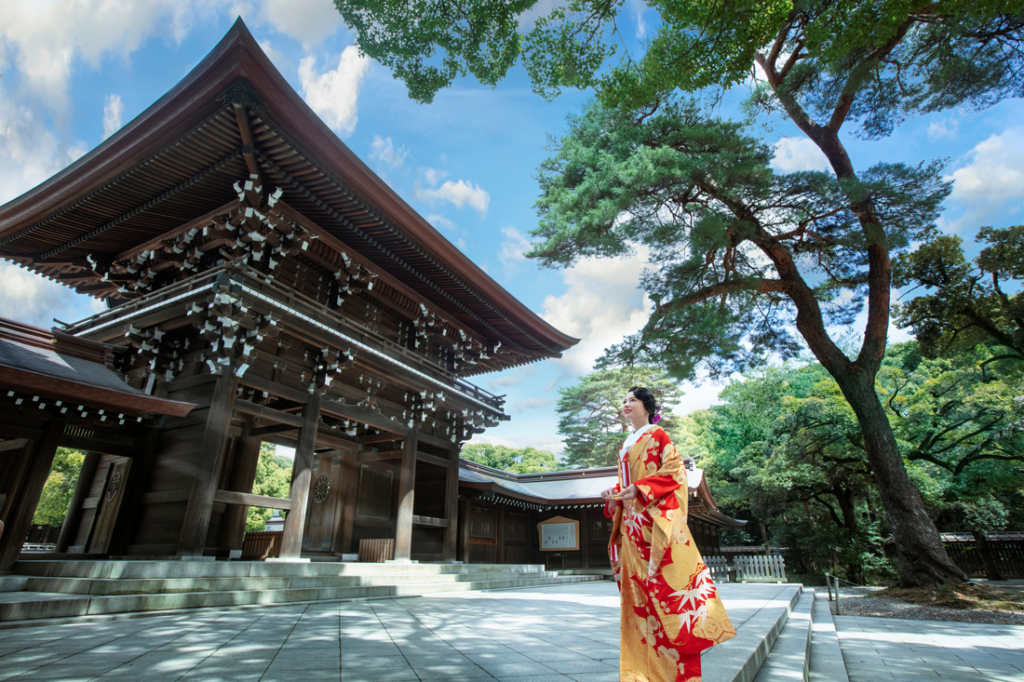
x=513 y=460
x=59 y=487
x=965 y=304
x=725 y=232
x=273 y=479
x=591 y=421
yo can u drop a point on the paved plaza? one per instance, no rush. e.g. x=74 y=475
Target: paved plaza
x=887 y=649
x=565 y=633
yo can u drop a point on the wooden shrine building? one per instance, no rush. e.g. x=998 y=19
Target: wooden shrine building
x=263 y=285
x=500 y=513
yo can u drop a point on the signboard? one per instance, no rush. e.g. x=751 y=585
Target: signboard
x=559 y=533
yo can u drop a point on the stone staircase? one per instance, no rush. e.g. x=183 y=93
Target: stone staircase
x=41 y=591
x=791 y=639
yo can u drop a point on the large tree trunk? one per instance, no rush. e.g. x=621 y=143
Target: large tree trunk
x=921 y=557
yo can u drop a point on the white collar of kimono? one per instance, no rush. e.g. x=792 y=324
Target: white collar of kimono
x=635 y=436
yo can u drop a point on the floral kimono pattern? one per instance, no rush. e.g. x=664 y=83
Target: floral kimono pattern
x=670 y=606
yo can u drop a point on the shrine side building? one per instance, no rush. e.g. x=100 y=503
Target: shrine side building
x=263 y=286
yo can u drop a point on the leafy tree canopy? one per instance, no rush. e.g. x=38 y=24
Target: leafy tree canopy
x=273 y=479
x=591 y=421
x=965 y=303
x=59 y=487
x=513 y=460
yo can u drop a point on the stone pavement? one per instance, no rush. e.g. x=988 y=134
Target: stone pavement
x=887 y=649
x=564 y=633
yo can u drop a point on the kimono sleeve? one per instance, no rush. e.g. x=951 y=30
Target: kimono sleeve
x=670 y=474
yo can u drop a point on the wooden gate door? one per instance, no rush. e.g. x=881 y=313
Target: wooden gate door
x=109 y=504
x=323 y=511
x=483 y=536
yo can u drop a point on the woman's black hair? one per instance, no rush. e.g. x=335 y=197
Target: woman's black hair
x=647 y=398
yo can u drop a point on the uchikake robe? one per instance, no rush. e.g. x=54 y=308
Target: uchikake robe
x=670 y=606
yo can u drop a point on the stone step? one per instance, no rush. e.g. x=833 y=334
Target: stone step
x=789 y=658
x=827 y=663
x=12 y=583
x=128 y=586
x=246 y=569
x=24 y=607
x=740 y=658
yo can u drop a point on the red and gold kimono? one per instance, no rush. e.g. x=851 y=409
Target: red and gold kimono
x=670 y=606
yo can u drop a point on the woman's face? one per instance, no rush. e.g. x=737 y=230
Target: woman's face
x=634 y=408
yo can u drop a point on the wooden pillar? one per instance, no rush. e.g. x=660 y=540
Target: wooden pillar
x=584 y=538
x=243 y=475
x=451 y=506
x=499 y=534
x=350 y=479
x=138 y=483
x=464 y=530
x=206 y=473
x=69 y=528
x=26 y=497
x=302 y=473
x=406 y=495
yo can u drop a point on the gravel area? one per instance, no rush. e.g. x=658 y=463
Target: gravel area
x=858 y=601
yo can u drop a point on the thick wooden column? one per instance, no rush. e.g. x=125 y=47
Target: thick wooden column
x=206 y=473
x=499 y=534
x=69 y=528
x=26 y=497
x=243 y=475
x=584 y=538
x=406 y=494
x=350 y=481
x=464 y=529
x=451 y=506
x=302 y=473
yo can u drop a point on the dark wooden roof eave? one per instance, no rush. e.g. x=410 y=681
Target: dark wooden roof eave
x=197 y=96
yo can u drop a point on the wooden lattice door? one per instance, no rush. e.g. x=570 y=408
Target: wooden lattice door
x=323 y=511
x=108 y=505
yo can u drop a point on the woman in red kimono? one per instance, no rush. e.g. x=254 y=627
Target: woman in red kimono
x=670 y=607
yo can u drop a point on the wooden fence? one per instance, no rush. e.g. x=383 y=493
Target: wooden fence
x=719 y=567
x=377 y=549
x=261 y=545
x=760 y=568
x=1006 y=550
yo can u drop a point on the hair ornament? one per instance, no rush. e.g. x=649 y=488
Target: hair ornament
x=657 y=416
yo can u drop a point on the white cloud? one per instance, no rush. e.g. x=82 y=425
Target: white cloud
x=602 y=305
x=505 y=381
x=307 y=21
x=996 y=172
x=947 y=128
x=29 y=151
x=383 y=149
x=637 y=9
x=530 y=404
x=44 y=39
x=112 y=112
x=333 y=94
x=458 y=193
x=433 y=176
x=514 y=248
x=29 y=298
x=438 y=220
x=277 y=58
x=798 y=154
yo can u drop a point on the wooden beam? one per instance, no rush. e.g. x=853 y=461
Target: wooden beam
x=82 y=443
x=302 y=473
x=273 y=388
x=16 y=444
x=365 y=457
x=377 y=438
x=233 y=497
x=207 y=465
x=406 y=494
x=436 y=441
x=434 y=459
x=273 y=430
x=364 y=415
x=201 y=221
x=264 y=412
x=241 y=479
x=429 y=521
x=329 y=437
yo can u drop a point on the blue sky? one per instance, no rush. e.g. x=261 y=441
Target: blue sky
x=75 y=71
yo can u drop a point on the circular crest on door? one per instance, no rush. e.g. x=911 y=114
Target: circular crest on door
x=114 y=487
x=321 y=488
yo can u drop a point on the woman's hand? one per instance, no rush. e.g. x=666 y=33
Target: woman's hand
x=606 y=494
x=629 y=493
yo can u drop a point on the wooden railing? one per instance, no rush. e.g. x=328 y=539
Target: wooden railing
x=719 y=567
x=1005 y=549
x=760 y=568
